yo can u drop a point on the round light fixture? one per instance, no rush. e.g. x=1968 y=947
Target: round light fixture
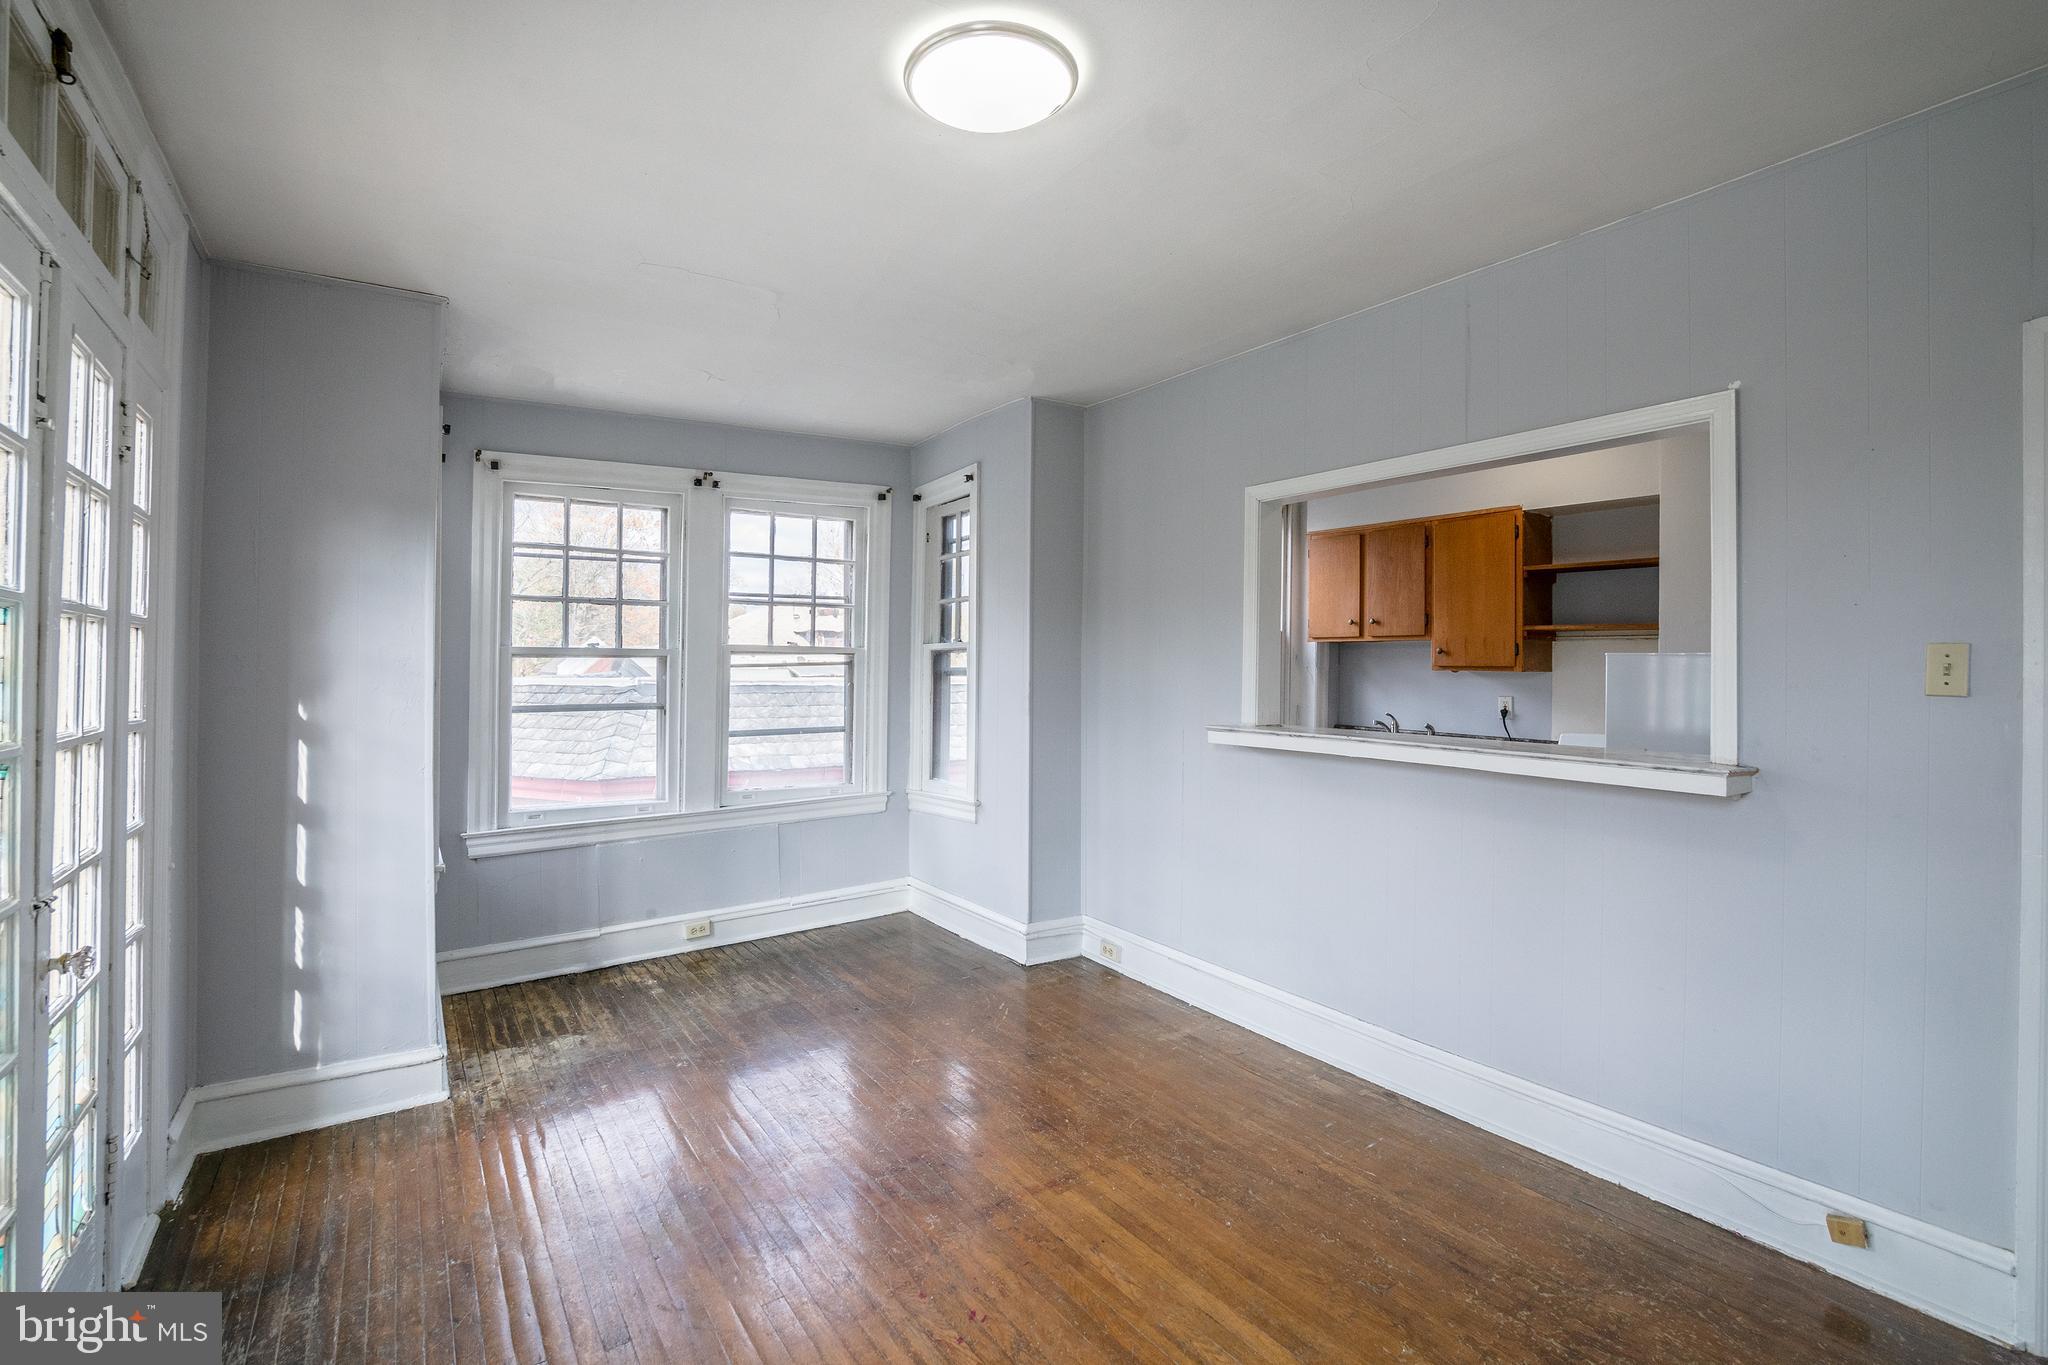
x=990 y=77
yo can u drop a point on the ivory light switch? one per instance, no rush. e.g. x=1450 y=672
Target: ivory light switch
x=1948 y=670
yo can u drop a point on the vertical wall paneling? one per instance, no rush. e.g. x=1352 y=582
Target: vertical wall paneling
x=313 y=672
x=1817 y=977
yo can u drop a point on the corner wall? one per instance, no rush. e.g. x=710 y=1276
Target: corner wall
x=312 y=668
x=1056 y=583
x=1019 y=857
x=988 y=862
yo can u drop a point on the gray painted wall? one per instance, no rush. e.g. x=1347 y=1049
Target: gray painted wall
x=314 y=628
x=1685 y=594
x=1819 y=976
x=501 y=900
x=1057 y=442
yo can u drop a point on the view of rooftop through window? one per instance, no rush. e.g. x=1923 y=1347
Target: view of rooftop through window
x=789 y=581
x=588 y=625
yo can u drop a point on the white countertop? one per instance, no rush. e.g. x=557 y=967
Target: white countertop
x=1523 y=758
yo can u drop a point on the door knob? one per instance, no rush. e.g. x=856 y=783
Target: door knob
x=1372 y=620
x=77 y=962
x=1352 y=622
x=1443 y=651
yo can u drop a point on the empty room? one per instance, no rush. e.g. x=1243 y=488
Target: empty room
x=1101 y=680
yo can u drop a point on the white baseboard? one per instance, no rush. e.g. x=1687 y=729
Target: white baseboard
x=502 y=964
x=228 y=1114
x=530 y=959
x=129 y=1268
x=1045 y=941
x=1969 y=1283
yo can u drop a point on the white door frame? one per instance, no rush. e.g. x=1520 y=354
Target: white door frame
x=2030 y=1222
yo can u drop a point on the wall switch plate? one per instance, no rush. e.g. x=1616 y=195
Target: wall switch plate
x=697 y=928
x=1111 y=952
x=1504 y=705
x=1850 y=1232
x=1948 y=670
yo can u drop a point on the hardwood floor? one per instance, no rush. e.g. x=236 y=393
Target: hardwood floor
x=880 y=1142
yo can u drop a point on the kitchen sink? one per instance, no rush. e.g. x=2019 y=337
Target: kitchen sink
x=1406 y=733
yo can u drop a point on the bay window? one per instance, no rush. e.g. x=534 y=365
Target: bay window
x=656 y=649
x=942 y=777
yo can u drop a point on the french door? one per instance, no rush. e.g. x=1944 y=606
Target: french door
x=77 y=445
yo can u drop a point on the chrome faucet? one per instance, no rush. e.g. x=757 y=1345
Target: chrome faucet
x=1396 y=722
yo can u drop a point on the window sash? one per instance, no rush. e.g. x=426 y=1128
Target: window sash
x=941 y=499
x=667 y=703
x=854 y=651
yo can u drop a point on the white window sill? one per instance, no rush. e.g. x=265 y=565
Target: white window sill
x=951 y=807
x=1651 y=772
x=494 y=843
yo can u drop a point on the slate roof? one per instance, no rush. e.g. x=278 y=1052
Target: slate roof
x=584 y=746
x=591 y=746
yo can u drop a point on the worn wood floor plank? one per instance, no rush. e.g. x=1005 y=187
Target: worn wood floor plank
x=880 y=1143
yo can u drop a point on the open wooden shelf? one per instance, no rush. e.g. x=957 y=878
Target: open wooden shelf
x=1596 y=627
x=1590 y=565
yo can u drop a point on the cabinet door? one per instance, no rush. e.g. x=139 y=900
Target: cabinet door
x=1397 y=582
x=1333 y=586
x=1476 y=591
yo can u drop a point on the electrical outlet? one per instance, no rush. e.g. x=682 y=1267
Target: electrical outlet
x=1110 y=950
x=1504 y=705
x=1850 y=1232
x=1948 y=670
x=697 y=928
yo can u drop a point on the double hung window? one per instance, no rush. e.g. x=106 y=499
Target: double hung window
x=588 y=684
x=942 y=769
x=792 y=649
x=657 y=649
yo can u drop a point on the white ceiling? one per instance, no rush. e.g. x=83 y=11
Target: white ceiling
x=730 y=211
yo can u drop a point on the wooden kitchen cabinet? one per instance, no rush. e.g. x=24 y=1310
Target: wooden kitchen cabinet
x=1396 y=593
x=1476 y=591
x=1456 y=581
x=1335 y=584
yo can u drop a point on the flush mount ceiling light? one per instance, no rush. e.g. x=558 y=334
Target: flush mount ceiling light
x=990 y=77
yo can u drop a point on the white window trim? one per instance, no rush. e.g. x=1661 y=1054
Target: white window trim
x=697 y=599
x=955 y=801
x=794 y=497
x=1268 y=716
